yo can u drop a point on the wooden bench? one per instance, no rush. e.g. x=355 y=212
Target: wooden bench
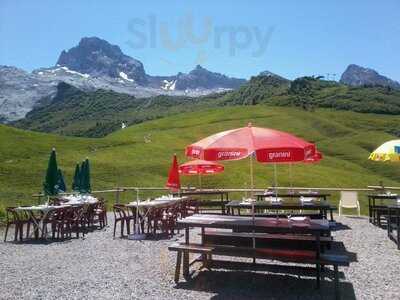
x=246 y=238
x=284 y=255
x=262 y=235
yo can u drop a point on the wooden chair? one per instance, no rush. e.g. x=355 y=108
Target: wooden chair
x=120 y=217
x=76 y=221
x=12 y=218
x=192 y=207
x=99 y=214
x=349 y=199
x=50 y=219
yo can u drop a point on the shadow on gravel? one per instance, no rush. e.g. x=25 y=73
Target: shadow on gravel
x=157 y=237
x=41 y=241
x=252 y=285
x=340 y=226
x=340 y=248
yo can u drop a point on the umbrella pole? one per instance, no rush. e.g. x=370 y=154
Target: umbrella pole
x=276 y=181
x=290 y=177
x=251 y=176
x=200 y=181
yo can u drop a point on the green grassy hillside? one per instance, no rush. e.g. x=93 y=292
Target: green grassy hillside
x=311 y=92
x=95 y=114
x=141 y=154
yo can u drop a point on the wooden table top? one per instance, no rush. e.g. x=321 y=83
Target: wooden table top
x=257 y=223
x=384 y=196
x=394 y=206
x=205 y=192
x=293 y=195
x=42 y=207
x=281 y=204
x=156 y=202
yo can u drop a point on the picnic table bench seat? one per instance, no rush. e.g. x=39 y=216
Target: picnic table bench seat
x=284 y=255
x=215 y=236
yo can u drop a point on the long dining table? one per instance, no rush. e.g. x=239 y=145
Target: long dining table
x=224 y=195
x=317 y=228
x=39 y=213
x=377 y=209
x=277 y=204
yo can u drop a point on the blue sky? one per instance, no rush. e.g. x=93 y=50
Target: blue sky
x=238 y=38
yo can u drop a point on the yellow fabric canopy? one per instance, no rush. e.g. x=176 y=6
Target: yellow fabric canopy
x=389 y=151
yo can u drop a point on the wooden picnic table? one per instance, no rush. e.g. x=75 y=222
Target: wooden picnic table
x=324 y=196
x=393 y=223
x=224 y=195
x=377 y=210
x=253 y=228
x=322 y=206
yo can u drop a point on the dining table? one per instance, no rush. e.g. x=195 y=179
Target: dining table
x=223 y=195
x=378 y=205
x=393 y=223
x=293 y=195
x=43 y=210
x=275 y=204
x=317 y=228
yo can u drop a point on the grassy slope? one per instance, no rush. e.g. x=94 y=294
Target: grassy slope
x=123 y=158
x=96 y=114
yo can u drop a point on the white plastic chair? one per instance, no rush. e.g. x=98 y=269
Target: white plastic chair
x=349 y=199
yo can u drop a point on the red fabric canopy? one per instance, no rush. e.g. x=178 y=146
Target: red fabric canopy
x=202 y=167
x=173 y=181
x=315 y=158
x=269 y=146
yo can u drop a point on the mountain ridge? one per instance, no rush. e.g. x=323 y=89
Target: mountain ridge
x=96 y=64
x=356 y=75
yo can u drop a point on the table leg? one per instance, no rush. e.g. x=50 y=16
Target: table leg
x=373 y=211
x=369 y=209
x=318 y=245
x=186 y=255
x=398 y=231
x=222 y=204
x=389 y=223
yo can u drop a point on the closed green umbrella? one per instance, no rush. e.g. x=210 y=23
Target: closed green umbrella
x=50 y=185
x=61 y=183
x=82 y=178
x=77 y=179
x=87 y=182
x=85 y=177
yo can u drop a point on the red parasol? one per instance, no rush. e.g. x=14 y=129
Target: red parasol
x=173 y=176
x=315 y=158
x=200 y=167
x=268 y=146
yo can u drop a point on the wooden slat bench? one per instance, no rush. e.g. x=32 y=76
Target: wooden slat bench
x=284 y=255
x=261 y=239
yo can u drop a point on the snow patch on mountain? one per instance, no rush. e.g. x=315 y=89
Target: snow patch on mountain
x=169 y=85
x=125 y=77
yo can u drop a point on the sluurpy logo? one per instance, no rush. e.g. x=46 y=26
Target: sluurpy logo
x=152 y=32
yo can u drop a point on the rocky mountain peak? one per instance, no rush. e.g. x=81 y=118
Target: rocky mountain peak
x=356 y=75
x=97 y=57
x=270 y=74
x=202 y=78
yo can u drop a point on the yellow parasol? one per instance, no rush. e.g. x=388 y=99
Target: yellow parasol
x=389 y=151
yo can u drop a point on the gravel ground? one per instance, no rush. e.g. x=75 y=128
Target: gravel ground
x=99 y=267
